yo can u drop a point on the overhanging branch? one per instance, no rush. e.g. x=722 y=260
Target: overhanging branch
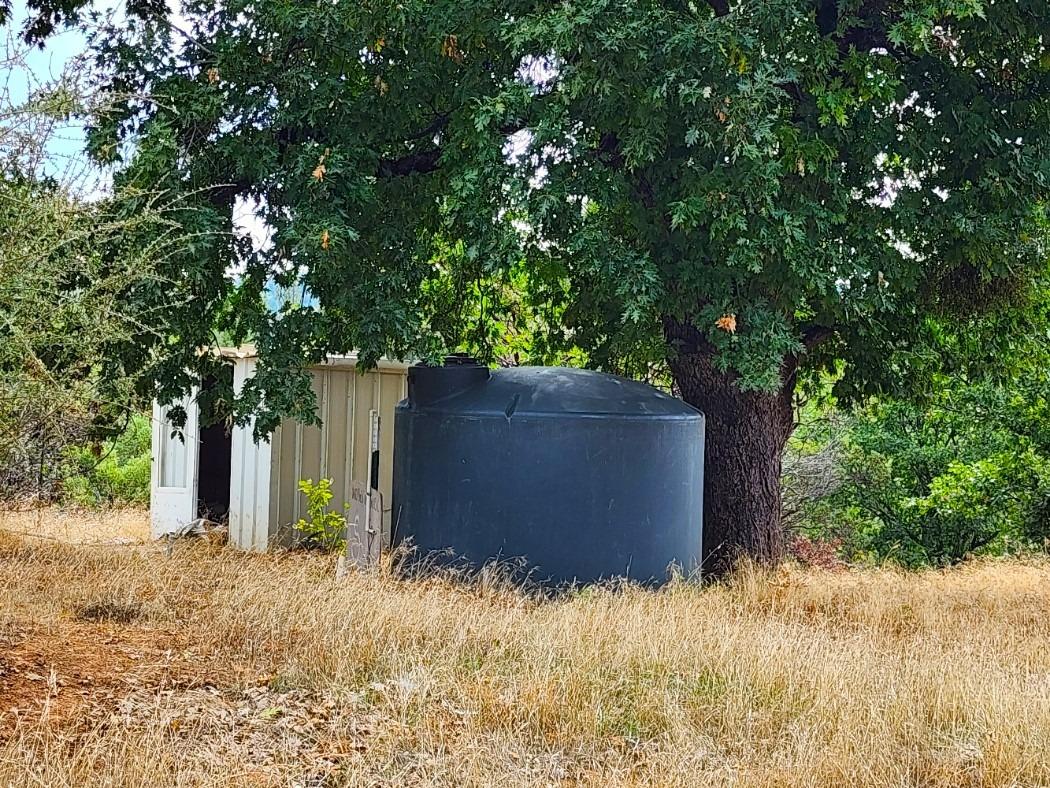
x=721 y=7
x=410 y=164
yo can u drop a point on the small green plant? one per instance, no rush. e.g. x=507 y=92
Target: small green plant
x=322 y=529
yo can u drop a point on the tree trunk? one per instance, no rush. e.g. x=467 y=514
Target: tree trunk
x=744 y=439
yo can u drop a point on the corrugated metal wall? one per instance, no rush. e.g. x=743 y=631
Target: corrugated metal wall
x=264 y=487
x=340 y=448
x=251 y=522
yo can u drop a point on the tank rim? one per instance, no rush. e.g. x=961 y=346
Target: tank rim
x=457 y=413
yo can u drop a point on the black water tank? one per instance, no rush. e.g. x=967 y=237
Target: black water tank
x=581 y=474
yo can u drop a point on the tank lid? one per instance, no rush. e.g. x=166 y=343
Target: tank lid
x=562 y=391
x=427 y=384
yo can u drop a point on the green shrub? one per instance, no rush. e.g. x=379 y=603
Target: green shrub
x=322 y=528
x=965 y=473
x=115 y=472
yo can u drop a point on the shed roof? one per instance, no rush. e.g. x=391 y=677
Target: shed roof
x=248 y=351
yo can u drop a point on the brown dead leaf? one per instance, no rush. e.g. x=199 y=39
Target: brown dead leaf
x=324 y=240
x=213 y=75
x=450 y=48
x=727 y=323
x=320 y=169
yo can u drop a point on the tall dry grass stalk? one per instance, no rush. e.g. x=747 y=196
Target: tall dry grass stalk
x=794 y=678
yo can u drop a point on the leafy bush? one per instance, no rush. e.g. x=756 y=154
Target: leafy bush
x=74 y=277
x=115 y=472
x=322 y=528
x=965 y=473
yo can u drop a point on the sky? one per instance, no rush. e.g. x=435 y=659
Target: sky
x=65 y=158
x=36 y=67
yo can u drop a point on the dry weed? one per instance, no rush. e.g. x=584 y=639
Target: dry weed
x=84 y=526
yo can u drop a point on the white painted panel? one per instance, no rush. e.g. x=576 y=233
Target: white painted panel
x=264 y=531
x=250 y=525
x=173 y=475
x=172 y=457
x=237 y=441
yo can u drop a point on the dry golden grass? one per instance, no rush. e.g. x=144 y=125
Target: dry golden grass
x=234 y=669
x=78 y=526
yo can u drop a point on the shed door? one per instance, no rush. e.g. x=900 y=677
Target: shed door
x=173 y=499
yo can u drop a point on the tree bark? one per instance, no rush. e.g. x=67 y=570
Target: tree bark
x=744 y=439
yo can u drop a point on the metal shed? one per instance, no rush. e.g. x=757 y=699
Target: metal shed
x=255 y=485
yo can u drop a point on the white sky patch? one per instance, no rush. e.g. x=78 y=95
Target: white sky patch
x=541 y=72
x=248 y=223
x=42 y=143
x=180 y=26
x=516 y=145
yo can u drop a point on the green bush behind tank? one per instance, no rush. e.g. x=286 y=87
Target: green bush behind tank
x=965 y=472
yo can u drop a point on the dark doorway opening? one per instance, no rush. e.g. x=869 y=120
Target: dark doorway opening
x=215 y=458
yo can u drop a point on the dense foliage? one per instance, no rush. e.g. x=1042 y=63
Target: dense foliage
x=811 y=170
x=60 y=310
x=72 y=267
x=965 y=472
x=114 y=472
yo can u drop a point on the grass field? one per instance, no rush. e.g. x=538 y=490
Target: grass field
x=120 y=665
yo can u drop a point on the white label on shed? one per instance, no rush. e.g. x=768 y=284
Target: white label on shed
x=363 y=523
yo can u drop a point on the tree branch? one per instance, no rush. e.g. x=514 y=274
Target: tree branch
x=827 y=16
x=814 y=335
x=869 y=30
x=427 y=161
x=432 y=128
x=410 y=164
x=684 y=337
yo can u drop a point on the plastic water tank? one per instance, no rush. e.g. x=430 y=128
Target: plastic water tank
x=579 y=475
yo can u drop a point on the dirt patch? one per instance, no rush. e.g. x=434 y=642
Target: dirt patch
x=84 y=678
x=78 y=677
x=74 y=673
